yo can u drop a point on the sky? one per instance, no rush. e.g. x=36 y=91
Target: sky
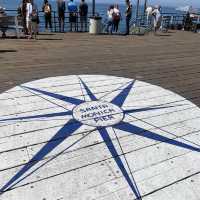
x=176 y=3
x=167 y=3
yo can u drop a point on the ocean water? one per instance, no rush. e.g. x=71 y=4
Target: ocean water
x=101 y=9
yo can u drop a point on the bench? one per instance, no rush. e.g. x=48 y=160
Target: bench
x=11 y=22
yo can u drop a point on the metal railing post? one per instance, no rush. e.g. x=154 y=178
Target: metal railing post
x=93 y=8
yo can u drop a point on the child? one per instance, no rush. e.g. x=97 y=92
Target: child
x=116 y=18
x=34 y=22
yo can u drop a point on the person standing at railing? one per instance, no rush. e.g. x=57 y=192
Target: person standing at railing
x=187 y=22
x=46 y=8
x=156 y=13
x=29 y=9
x=149 y=11
x=61 y=14
x=34 y=22
x=72 y=8
x=116 y=17
x=22 y=13
x=35 y=8
x=3 y=14
x=83 y=12
x=110 y=12
x=128 y=15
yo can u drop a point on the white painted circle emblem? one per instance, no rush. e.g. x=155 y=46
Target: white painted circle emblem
x=98 y=137
x=98 y=113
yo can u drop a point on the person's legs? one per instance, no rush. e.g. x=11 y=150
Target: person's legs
x=27 y=25
x=63 y=22
x=128 y=25
x=86 y=23
x=30 y=28
x=70 y=27
x=70 y=23
x=24 y=25
x=34 y=29
x=74 y=26
x=117 y=26
x=109 y=27
x=50 y=22
x=81 y=22
x=37 y=25
x=46 y=22
x=114 y=26
x=47 y=26
x=155 y=26
x=3 y=33
x=76 y=22
x=59 y=21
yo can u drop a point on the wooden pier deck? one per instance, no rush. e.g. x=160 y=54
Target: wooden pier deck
x=171 y=60
x=80 y=135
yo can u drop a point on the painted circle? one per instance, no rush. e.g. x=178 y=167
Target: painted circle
x=77 y=163
x=98 y=113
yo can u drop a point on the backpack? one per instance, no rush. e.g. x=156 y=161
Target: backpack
x=116 y=16
x=47 y=9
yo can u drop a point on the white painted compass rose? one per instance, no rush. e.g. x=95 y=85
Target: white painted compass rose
x=97 y=137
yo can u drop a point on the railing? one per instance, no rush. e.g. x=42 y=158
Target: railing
x=55 y=20
x=175 y=21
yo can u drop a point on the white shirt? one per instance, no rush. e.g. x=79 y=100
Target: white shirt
x=149 y=11
x=158 y=16
x=110 y=14
x=116 y=11
x=29 y=9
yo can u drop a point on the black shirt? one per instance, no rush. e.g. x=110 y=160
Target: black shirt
x=129 y=10
x=83 y=9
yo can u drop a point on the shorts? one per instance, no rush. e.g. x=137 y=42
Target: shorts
x=34 y=26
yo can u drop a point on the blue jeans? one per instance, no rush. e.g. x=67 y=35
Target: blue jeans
x=109 y=26
x=128 y=18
